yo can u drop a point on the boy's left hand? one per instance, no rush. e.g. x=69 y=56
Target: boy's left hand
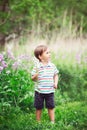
x=55 y=86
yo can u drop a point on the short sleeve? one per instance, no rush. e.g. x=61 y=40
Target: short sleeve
x=33 y=72
x=56 y=71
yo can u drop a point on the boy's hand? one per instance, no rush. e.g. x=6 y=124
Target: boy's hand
x=55 y=86
x=35 y=77
x=55 y=81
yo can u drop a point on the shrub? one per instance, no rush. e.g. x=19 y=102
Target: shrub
x=16 y=87
x=72 y=75
x=72 y=114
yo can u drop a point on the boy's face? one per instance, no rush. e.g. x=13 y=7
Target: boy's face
x=45 y=56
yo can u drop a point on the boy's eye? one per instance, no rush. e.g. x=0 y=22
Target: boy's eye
x=48 y=52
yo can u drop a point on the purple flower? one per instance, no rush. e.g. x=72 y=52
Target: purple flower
x=24 y=57
x=1 y=68
x=10 y=55
x=1 y=57
x=15 y=65
x=78 y=58
x=4 y=64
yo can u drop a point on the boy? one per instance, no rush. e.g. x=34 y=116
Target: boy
x=46 y=74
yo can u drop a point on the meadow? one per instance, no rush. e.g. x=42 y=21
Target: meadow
x=17 y=89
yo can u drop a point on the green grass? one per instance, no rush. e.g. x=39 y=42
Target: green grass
x=69 y=116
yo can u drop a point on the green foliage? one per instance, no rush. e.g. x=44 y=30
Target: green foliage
x=16 y=87
x=70 y=116
x=24 y=14
x=73 y=83
x=72 y=75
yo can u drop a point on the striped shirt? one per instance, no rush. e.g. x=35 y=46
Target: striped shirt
x=45 y=83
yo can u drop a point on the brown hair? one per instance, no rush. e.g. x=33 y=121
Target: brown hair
x=39 y=51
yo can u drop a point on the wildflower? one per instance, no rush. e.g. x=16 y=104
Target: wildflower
x=15 y=65
x=1 y=57
x=1 y=68
x=8 y=72
x=19 y=61
x=24 y=57
x=10 y=55
x=78 y=58
x=4 y=64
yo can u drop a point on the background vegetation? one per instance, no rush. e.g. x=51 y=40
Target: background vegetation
x=28 y=15
x=62 y=25
x=17 y=94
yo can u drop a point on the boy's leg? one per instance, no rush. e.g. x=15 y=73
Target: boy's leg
x=38 y=114
x=50 y=105
x=51 y=114
x=39 y=104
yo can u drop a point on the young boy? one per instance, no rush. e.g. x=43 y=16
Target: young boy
x=46 y=74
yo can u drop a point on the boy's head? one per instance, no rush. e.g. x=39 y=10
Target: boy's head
x=42 y=53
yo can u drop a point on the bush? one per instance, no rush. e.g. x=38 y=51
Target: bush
x=72 y=76
x=72 y=114
x=16 y=87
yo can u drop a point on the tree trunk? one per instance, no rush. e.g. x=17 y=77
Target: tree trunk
x=3 y=8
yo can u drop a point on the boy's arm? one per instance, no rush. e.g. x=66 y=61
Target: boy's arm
x=34 y=74
x=55 y=80
x=35 y=77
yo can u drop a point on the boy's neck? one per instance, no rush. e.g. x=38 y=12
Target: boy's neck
x=44 y=62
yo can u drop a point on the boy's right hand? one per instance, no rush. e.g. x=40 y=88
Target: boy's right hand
x=35 y=77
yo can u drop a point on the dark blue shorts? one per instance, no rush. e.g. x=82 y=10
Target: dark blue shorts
x=40 y=98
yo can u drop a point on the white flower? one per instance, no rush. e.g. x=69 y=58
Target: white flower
x=8 y=72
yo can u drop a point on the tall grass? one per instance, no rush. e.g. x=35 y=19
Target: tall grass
x=60 y=33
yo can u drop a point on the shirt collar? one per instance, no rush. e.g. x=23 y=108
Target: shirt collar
x=47 y=65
